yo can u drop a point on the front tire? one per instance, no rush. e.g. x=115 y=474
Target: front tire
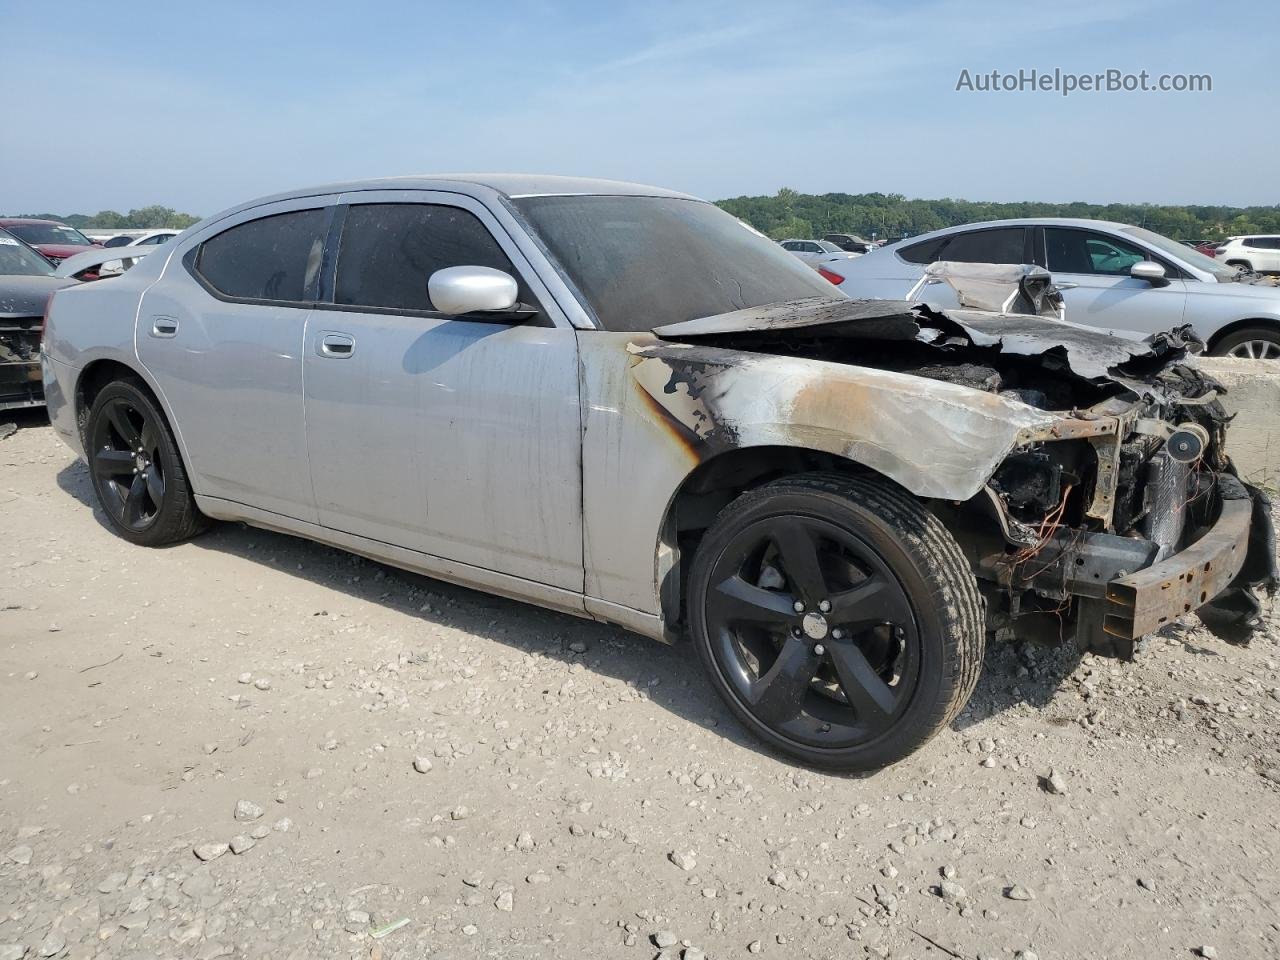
x=837 y=618
x=136 y=468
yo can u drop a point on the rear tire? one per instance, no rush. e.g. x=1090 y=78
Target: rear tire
x=136 y=468
x=848 y=654
x=1253 y=343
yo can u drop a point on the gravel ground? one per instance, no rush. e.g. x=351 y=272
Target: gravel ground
x=253 y=746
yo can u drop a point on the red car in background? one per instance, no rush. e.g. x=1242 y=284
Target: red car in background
x=55 y=240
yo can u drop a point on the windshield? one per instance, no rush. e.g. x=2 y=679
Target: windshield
x=1192 y=258
x=828 y=247
x=50 y=233
x=17 y=260
x=643 y=262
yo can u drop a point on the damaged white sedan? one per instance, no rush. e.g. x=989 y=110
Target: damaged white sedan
x=619 y=402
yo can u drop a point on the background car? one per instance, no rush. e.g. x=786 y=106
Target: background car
x=1257 y=253
x=849 y=242
x=146 y=238
x=54 y=240
x=822 y=255
x=26 y=284
x=1112 y=276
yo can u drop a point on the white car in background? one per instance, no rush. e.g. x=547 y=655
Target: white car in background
x=822 y=255
x=1112 y=276
x=1258 y=253
x=148 y=238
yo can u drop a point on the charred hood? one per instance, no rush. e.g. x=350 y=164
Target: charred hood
x=1048 y=363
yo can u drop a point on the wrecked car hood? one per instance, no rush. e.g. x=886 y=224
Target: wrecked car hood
x=1087 y=352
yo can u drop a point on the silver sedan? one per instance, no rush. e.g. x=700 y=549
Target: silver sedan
x=1113 y=276
x=622 y=403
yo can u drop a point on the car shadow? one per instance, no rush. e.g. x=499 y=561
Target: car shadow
x=1013 y=674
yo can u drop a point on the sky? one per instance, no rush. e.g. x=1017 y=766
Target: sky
x=199 y=107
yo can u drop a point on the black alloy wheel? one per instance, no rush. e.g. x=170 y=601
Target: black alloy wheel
x=136 y=468
x=125 y=455
x=837 y=617
x=813 y=630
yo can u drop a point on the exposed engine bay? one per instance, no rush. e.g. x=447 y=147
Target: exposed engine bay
x=1079 y=529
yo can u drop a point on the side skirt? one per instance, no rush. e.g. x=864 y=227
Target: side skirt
x=463 y=574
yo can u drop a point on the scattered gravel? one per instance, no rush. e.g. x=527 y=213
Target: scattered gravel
x=588 y=795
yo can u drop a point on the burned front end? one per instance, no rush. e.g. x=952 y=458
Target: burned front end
x=1122 y=517
x=1107 y=509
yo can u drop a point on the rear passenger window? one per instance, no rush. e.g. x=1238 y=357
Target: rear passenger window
x=390 y=250
x=274 y=258
x=986 y=246
x=924 y=252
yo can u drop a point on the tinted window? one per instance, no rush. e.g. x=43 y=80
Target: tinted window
x=986 y=246
x=121 y=241
x=275 y=258
x=643 y=262
x=1081 y=251
x=924 y=252
x=389 y=251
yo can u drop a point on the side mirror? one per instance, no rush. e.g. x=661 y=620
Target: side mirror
x=1149 y=271
x=459 y=290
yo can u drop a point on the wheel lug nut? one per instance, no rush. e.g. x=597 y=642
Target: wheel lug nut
x=837 y=634
x=825 y=606
x=819 y=649
x=798 y=607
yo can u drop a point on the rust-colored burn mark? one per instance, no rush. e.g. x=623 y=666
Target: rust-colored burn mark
x=685 y=438
x=684 y=394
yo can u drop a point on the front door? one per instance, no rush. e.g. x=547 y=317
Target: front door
x=457 y=437
x=1103 y=294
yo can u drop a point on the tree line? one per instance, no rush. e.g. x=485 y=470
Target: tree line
x=143 y=218
x=891 y=216
x=885 y=216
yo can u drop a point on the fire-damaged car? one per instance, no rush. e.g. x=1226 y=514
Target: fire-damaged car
x=622 y=403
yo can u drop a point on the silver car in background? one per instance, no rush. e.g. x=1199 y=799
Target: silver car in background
x=622 y=403
x=818 y=253
x=1112 y=276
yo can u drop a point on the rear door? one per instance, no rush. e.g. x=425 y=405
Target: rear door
x=222 y=334
x=1000 y=245
x=453 y=436
x=1104 y=295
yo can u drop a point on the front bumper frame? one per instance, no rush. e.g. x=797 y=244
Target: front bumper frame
x=1121 y=593
x=1145 y=601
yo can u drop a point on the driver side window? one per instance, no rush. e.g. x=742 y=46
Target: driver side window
x=1082 y=251
x=388 y=252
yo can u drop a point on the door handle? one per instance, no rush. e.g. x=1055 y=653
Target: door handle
x=339 y=346
x=164 y=327
x=1065 y=285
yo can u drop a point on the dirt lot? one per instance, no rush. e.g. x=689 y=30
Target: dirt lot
x=584 y=794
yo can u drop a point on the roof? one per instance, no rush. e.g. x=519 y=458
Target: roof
x=1043 y=221
x=11 y=221
x=503 y=184
x=506 y=184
